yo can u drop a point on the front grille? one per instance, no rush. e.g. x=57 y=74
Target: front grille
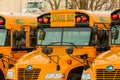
x=102 y=74
x=33 y=74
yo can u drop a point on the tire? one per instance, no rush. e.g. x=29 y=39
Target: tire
x=74 y=76
x=2 y=75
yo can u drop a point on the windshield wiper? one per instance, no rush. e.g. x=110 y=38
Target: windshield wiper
x=53 y=43
x=72 y=44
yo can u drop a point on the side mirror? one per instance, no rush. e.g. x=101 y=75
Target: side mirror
x=1 y=55
x=84 y=56
x=115 y=34
x=42 y=35
x=69 y=50
x=47 y=50
x=10 y=66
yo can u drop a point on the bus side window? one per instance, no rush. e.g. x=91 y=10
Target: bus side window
x=19 y=39
x=33 y=37
x=8 y=36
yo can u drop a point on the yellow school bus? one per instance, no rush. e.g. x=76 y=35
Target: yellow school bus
x=17 y=37
x=106 y=65
x=66 y=44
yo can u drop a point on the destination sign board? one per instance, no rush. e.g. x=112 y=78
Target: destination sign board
x=63 y=19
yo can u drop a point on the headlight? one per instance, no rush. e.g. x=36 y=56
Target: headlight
x=55 y=75
x=10 y=74
x=86 y=76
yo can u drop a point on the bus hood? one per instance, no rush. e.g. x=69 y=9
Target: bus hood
x=33 y=58
x=37 y=56
x=108 y=57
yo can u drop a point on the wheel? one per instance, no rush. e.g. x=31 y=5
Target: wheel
x=74 y=76
x=2 y=75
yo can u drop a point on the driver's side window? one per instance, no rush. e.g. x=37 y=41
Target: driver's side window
x=19 y=39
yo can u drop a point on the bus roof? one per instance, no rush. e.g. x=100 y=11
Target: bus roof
x=16 y=20
x=70 y=11
x=113 y=11
x=101 y=18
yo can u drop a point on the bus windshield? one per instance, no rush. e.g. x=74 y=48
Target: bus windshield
x=65 y=36
x=116 y=40
x=4 y=37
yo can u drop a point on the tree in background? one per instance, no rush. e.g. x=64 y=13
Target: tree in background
x=54 y=4
x=92 y=4
x=84 y=4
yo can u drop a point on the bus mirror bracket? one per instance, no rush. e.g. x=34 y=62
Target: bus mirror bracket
x=49 y=50
x=86 y=64
x=95 y=42
x=95 y=28
x=115 y=34
x=42 y=35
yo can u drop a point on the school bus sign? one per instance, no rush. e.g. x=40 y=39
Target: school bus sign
x=63 y=19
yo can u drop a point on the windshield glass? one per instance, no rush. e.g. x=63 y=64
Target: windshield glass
x=65 y=36
x=34 y=5
x=4 y=37
x=116 y=40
